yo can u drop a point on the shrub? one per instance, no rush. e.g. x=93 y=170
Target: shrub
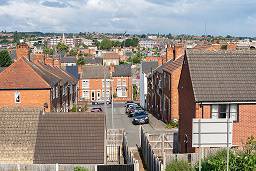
x=79 y=168
x=179 y=165
x=173 y=124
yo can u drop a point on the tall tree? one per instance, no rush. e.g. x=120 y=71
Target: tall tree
x=106 y=44
x=5 y=58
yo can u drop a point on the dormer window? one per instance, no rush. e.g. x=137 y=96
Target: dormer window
x=17 y=97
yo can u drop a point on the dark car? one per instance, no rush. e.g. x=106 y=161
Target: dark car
x=140 y=117
x=134 y=109
x=96 y=109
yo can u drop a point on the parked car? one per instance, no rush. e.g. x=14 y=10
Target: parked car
x=96 y=109
x=101 y=101
x=129 y=106
x=134 y=109
x=140 y=117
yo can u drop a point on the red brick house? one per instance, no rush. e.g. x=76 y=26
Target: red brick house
x=218 y=85
x=163 y=85
x=91 y=82
x=28 y=84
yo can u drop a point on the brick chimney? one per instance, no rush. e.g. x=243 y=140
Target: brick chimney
x=38 y=57
x=178 y=51
x=22 y=51
x=48 y=60
x=56 y=62
x=169 y=54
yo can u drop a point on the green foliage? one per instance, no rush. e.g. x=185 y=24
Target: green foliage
x=131 y=42
x=224 y=47
x=116 y=44
x=179 y=165
x=61 y=47
x=173 y=124
x=79 y=168
x=135 y=91
x=81 y=61
x=240 y=160
x=74 y=109
x=5 y=58
x=136 y=58
x=106 y=44
x=48 y=51
x=73 y=52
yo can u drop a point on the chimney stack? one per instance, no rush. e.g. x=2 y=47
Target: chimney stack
x=22 y=51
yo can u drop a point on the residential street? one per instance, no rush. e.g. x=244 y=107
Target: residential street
x=121 y=120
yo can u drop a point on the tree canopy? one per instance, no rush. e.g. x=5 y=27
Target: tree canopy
x=106 y=44
x=61 y=47
x=5 y=58
x=131 y=42
x=48 y=51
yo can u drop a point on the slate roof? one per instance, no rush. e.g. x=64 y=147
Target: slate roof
x=94 y=61
x=68 y=59
x=223 y=76
x=123 y=70
x=73 y=70
x=94 y=72
x=147 y=67
x=27 y=135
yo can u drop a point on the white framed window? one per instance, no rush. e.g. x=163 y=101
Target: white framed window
x=225 y=111
x=123 y=82
x=107 y=83
x=118 y=82
x=85 y=84
x=86 y=94
x=17 y=97
x=121 y=92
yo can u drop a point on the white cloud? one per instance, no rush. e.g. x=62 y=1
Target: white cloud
x=134 y=16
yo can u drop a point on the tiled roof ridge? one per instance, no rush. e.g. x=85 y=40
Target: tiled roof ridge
x=41 y=67
x=32 y=65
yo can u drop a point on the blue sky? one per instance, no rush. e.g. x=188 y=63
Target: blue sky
x=221 y=17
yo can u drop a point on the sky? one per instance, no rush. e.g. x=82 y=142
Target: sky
x=214 y=17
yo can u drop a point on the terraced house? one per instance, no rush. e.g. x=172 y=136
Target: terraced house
x=92 y=83
x=29 y=84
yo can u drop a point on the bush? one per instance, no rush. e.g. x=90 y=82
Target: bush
x=79 y=168
x=239 y=160
x=173 y=124
x=178 y=166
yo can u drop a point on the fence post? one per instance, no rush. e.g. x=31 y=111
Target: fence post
x=95 y=167
x=136 y=165
x=18 y=167
x=57 y=167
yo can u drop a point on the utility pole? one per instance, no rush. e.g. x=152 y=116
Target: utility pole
x=105 y=97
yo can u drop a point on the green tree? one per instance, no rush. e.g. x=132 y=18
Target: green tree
x=61 y=47
x=81 y=61
x=73 y=52
x=131 y=42
x=106 y=44
x=5 y=58
x=48 y=51
x=79 y=168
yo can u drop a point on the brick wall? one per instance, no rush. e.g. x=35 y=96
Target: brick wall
x=175 y=77
x=187 y=109
x=244 y=128
x=29 y=98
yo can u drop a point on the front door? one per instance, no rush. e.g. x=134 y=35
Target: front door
x=93 y=96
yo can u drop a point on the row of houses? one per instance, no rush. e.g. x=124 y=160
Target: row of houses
x=205 y=84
